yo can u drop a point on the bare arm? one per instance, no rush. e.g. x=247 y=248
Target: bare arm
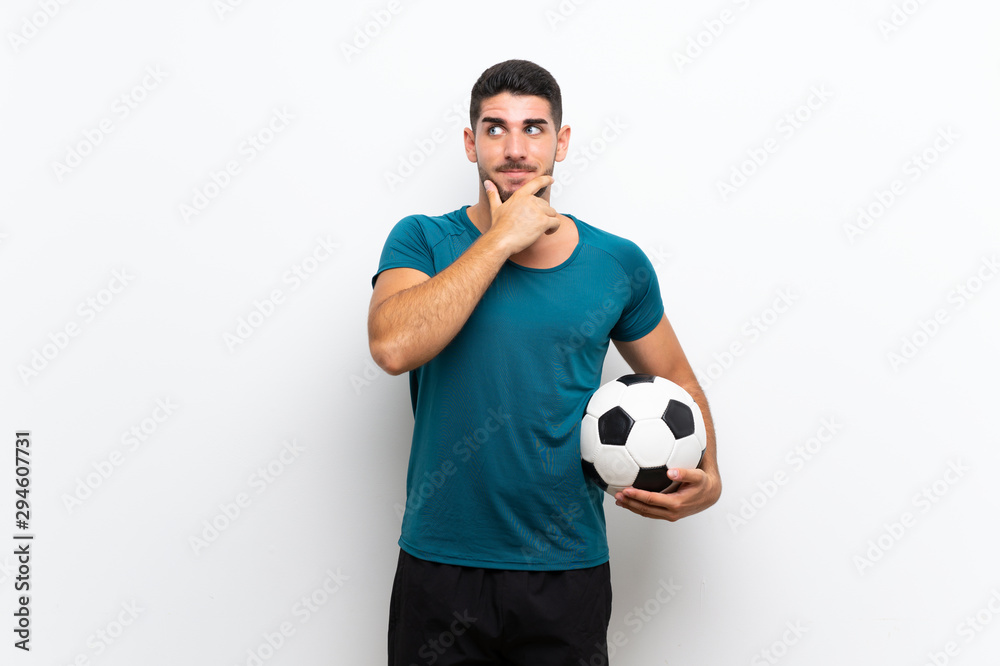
x=659 y=353
x=412 y=316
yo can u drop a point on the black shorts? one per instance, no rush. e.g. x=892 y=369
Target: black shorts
x=447 y=615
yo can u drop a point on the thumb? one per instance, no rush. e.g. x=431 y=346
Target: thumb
x=492 y=194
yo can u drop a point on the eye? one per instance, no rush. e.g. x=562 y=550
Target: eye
x=491 y=132
x=533 y=129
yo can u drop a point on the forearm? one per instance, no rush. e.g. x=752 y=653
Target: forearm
x=709 y=461
x=413 y=326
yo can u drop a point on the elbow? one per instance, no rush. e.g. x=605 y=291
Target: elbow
x=384 y=348
x=387 y=357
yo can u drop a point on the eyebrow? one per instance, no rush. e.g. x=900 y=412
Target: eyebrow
x=500 y=121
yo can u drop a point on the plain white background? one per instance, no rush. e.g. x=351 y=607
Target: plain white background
x=194 y=198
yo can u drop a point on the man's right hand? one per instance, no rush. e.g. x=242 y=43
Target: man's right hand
x=523 y=218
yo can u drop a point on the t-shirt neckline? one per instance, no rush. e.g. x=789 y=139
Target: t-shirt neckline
x=476 y=233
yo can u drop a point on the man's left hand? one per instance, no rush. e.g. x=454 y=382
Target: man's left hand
x=698 y=490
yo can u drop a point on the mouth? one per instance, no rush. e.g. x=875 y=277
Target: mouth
x=516 y=169
x=517 y=175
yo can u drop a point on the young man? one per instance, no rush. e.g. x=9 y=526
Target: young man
x=502 y=312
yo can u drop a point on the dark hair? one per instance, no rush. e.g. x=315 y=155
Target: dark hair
x=517 y=77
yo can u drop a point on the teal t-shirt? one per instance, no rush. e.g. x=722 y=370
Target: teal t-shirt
x=494 y=477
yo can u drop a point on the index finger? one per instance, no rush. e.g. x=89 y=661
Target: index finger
x=534 y=185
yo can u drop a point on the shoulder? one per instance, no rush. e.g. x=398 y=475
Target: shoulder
x=432 y=228
x=624 y=251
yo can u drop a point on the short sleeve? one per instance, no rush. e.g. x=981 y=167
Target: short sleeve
x=644 y=309
x=406 y=247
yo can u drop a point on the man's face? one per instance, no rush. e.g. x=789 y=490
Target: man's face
x=514 y=141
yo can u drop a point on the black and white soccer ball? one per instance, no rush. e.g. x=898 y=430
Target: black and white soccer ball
x=635 y=429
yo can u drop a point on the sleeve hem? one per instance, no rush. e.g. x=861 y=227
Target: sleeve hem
x=382 y=269
x=647 y=331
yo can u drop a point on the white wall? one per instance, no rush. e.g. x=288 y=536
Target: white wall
x=842 y=546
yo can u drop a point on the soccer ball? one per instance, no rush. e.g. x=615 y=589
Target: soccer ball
x=635 y=429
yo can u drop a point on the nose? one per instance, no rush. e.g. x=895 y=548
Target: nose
x=516 y=146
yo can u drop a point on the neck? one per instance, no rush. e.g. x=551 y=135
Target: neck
x=480 y=212
x=547 y=251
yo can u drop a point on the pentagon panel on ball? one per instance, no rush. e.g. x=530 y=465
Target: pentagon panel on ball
x=636 y=429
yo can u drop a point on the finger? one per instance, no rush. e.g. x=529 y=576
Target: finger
x=534 y=185
x=646 y=497
x=659 y=506
x=687 y=475
x=555 y=222
x=648 y=503
x=633 y=493
x=492 y=195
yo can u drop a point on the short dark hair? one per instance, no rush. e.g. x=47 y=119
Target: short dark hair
x=517 y=77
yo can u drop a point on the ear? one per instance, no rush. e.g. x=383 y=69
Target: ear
x=562 y=143
x=470 y=145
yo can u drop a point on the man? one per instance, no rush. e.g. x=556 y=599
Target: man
x=503 y=553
